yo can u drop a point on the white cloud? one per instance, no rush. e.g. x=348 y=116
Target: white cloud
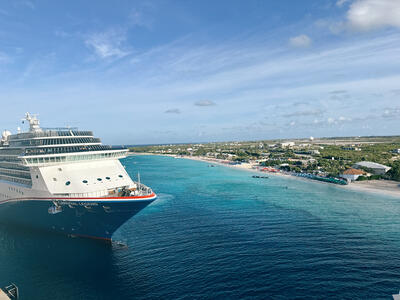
x=340 y=3
x=108 y=44
x=393 y=112
x=344 y=119
x=365 y=15
x=304 y=113
x=204 y=103
x=140 y=18
x=173 y=111
x=301 y=40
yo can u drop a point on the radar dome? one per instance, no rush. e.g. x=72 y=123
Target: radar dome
x=311 y=138
x=6 y=133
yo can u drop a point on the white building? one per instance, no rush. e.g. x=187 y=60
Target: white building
x=287 y=144
x=315 y=152
x=375 y=168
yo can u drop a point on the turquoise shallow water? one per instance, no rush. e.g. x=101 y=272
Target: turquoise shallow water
x=218 y=233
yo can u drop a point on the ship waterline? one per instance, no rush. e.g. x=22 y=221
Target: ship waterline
x=66 y=181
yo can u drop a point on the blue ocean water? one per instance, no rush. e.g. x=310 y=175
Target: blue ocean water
x=217 y=233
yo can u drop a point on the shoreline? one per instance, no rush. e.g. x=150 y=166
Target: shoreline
x=382 y=187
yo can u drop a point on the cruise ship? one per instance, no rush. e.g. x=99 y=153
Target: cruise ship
x=65 y=180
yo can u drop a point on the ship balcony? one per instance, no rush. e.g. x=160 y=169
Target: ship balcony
x=72 y=157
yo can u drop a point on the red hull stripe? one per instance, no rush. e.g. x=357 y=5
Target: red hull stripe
x=90 y=199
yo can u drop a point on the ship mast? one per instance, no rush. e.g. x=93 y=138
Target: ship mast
x=34 y=124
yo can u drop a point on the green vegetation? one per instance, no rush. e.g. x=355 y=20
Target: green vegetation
x=394 y=172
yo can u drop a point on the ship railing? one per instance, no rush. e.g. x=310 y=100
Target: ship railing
x=50 y=133
x=137 y=189
x=60 y=128
x=11 y=291
x=140 y=190
x=68 y=149
x=62 y=158
x=102 y=193
x=143 y=189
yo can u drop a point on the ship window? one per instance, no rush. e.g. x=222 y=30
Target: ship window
x=59 y=169
x=68 y=183
x=120 y=176
x=99 y=179
x=54 y=179
x=85 y=181
x=37 y=176
x=108 y=178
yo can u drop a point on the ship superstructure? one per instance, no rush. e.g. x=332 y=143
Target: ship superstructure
x=65 y=180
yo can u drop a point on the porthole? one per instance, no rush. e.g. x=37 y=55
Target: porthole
x=85 y=181
x=99 y=179
x=120 y=176
x=108 y=178
x=37 y=176
x=68 y=183
x=54 y=179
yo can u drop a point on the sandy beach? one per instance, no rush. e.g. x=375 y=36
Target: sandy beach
x=386 y=187
x=382 y=187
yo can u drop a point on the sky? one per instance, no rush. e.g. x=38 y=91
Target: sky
x=152 y=72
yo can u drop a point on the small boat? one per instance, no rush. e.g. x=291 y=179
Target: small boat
x=257 y=176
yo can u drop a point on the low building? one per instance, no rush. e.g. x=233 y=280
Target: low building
x=375 y=168
x=315 y=152
x=307 y=152
x=287 y=144
x=352 y=174
x=304 y=145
